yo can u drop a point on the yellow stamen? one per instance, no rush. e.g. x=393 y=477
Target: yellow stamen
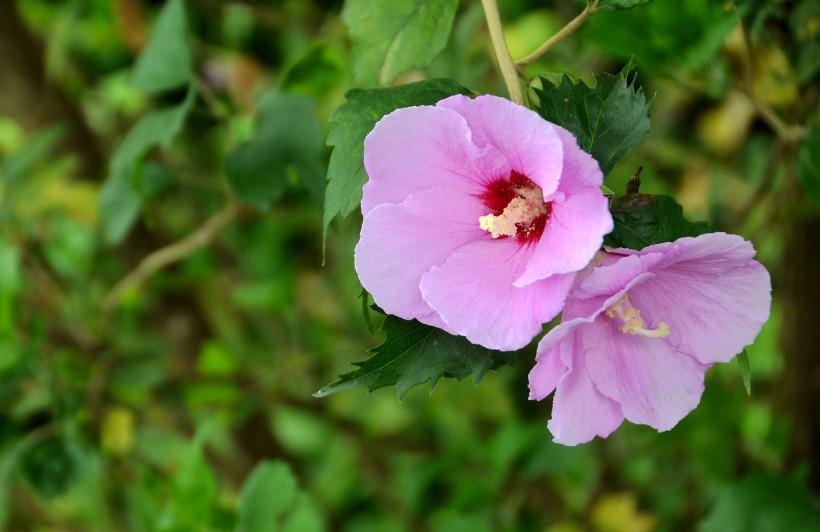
x=523 y=209
x=633 y=324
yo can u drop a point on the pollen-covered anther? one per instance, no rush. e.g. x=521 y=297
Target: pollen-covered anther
x=633 y=324
x=519 y=212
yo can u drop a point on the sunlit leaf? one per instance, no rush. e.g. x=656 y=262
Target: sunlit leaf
x=266 y=496
x=353 y=121
x=608 y=119
x=414 y=353
x=165 y=63
x=391 y=36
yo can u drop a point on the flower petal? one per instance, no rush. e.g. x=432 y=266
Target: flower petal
x=655 y=384
x=579 y=411
x=548 y=370
x=418 y=148
x=580 y=170
x=400 y=243
x=473 y=292
x=530 y=143
x=574 y=232
x=711 y=316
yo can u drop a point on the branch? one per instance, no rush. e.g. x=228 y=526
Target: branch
x=502 y=53
x=170 y=254
x=571 y=26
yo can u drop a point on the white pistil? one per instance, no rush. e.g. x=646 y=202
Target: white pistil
x=633 y=324
x=520 y=210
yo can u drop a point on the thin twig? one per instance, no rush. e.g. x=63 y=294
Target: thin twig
x=788 y=133
x=571 y=26
x=502 y=53
x=170 y=254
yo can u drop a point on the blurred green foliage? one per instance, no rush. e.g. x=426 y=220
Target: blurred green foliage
x=186 y=402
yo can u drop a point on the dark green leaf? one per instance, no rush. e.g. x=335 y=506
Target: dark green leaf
x=763 y=502
x=613 y=5
x=664 y=35
x=165 y=63
x=391 y=36
x=287 y=136
x=414 y=353
x=353 y=120
x=745 y=371
x=120 y=197
x=643 y=219
x=808 y=167
x=50 y=467
x=269 y=492
x=608 y=119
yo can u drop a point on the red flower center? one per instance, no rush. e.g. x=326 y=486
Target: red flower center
x=517 y=208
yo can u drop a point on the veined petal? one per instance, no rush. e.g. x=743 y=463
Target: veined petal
x=654 y=384
x=473 y=292
x=548 y=370
x=400 y=243
x=530 y=143
x=579 y=411
x=572 y=236
x=580 y=170
x=419 y=148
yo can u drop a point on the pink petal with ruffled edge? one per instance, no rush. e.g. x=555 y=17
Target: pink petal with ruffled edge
x=713 y=296
x=473 y=293
x=530 y=143
x=579 y=411
x=652 y=382
x=419 y=148
x=400 y=243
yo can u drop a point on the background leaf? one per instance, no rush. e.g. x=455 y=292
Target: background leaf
x=353 y=121
x=391 y=36
x=287 y=136
x=613 y=5
x=120 y=196
x=414 y=353
x=271 y=501
x=644 y=219
x=166 y=62
x=808 y=167
x=608 y=119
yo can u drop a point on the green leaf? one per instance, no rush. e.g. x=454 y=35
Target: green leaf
x=413 y=353
x=608 y=119
x=391 y=36
x=287 y=136
x=50 y=467
x=613 y=5
x=123 y=191
x=808 y=167
x=36 y=149
x=266 y=496
x=353 y=120
x=763 y=502
x=166 y=62
x=745 y=371
x=644 y=219
x=664 y=35
x=193 y=489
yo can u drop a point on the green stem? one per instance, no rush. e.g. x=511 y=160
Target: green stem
x=502 y=53
x=573 y=25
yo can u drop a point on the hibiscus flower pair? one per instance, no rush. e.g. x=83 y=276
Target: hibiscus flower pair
x=486 y=221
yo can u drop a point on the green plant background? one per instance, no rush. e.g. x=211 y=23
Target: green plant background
x=186 y=403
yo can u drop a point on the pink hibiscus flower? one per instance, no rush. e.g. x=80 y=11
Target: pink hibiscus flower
x=477 y=214
x=640 y=329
